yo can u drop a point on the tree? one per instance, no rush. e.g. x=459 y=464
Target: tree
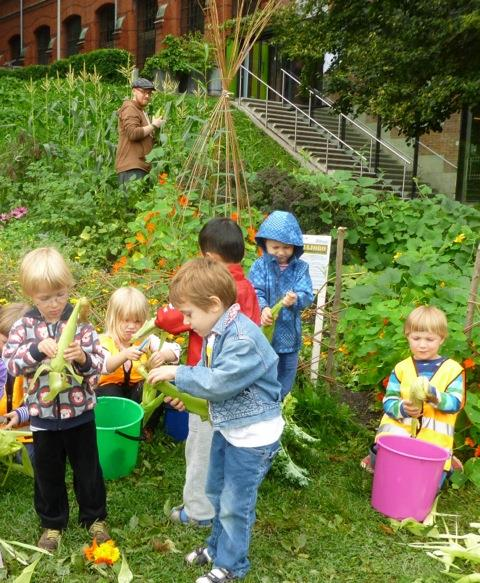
x=412 y=62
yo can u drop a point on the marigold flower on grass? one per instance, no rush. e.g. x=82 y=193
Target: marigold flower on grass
x=106 y=553
x=469 y=441
x=468 y=363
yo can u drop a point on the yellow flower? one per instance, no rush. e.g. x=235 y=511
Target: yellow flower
x=3 y=301
x=153 y=301
x=442 y=284
x=459 y=238
x=106 y=553
x=179 y=339
x=397 y=255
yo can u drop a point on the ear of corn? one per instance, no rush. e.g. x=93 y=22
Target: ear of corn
x=147 y=329
x=60 y=369
x=270 y=329
x=9 y=446
x=418 y=395
x=192 y=404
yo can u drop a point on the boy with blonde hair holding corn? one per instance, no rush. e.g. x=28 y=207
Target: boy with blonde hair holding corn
x=65 y=426
x=425 y=391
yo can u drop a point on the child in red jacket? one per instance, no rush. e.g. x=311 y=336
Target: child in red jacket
x=220 y=239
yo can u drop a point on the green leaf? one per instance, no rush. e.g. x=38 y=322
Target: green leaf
x=125 y=575
x=26 y=575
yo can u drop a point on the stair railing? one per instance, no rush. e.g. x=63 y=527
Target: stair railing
x=244 y=75
x=374 y=142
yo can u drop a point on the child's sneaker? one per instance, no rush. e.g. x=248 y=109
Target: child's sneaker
x=50 y=539
x=178 y=514
x=217 y=575
x=366 y=464
x=98 y=531
x=199 y=557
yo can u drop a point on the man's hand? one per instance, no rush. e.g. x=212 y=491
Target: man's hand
x=158 y=122
x=266 y=318
x=74 y=353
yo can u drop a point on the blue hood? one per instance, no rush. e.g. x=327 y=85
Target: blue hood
x=281 y=226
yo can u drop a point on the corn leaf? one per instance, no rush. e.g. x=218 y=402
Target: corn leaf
x=125 y=575
x=26 y=575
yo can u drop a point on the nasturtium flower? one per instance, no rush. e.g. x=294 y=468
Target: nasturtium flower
x=469 y=441
x=468 y=363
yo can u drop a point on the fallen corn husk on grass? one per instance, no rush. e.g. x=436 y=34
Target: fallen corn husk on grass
x=459 y=552
x=293 y=435
x=59 y=370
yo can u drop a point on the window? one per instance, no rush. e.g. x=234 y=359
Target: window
x=192 y=16
x=248 y=7
x=146 y=12
x=106 y=22
x=15 y=50
x=42 y=35
x=73 y=27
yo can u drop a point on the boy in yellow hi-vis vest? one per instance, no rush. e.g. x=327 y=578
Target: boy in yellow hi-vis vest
x=438 y=383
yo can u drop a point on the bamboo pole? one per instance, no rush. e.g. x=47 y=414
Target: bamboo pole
x=330 y=366
x=472 y=303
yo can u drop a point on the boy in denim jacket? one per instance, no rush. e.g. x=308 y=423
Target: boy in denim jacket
x=238 y=376
x=280 y=273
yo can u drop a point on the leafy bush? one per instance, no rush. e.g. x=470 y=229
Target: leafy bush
x=181 y=55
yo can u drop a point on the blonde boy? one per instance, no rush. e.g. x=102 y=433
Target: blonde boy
x=442 y=381
x=65 y=427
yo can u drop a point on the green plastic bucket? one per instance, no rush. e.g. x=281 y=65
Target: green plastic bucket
x=119 y=432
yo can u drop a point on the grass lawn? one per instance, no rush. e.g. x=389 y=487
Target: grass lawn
x=325 y=532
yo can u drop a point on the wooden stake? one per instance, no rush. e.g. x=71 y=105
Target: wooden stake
x=330 y=367
x=473 y=296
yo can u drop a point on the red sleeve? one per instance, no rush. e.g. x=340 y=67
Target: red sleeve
x=247 y=298
x=171 y=320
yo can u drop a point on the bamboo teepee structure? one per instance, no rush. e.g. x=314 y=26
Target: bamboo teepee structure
x=214 y=168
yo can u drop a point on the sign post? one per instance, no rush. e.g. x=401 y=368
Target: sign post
x=317 y=255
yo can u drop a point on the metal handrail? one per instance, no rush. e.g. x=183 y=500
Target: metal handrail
x=297 y=111
x=361 y=127
x=422 y=145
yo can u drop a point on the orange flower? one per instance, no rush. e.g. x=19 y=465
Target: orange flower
x=119 y=264
x=150 y=215
x=140 y=237
x=162 y=262
x=476 y=453
x=162 y=178
x=469 y=441
x=234 y=217
x=468 y=363
x=129 y=246
x=106 y=553
x=183 y=200
x=385 y=382
x=379 y=396
x=251 y=234
x=150 y=227
x=89 y=551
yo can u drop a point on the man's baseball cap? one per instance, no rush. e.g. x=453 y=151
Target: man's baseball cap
x=142 y=83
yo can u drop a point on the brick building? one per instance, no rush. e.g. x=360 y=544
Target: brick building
x=42 y=31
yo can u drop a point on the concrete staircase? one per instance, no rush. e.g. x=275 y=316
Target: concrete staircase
x=318 y=149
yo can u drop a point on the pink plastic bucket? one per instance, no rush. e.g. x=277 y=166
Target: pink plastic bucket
x=407 y=476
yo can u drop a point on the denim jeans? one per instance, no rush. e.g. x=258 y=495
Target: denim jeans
x=287 y=370
x=234 y=477
x=135 y=174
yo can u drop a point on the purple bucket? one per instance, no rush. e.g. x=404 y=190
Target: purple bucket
x=407 y=476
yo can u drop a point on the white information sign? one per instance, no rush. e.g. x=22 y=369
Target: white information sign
x=317 y=255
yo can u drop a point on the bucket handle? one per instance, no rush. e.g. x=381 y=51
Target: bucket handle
x=131 y=437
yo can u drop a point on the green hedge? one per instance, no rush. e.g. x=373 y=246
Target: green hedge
x=105 y=61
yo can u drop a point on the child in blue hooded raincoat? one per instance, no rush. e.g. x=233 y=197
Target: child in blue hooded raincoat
x=280 y=273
